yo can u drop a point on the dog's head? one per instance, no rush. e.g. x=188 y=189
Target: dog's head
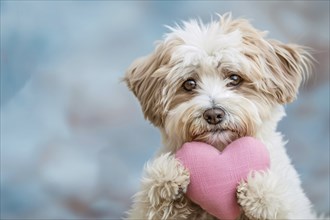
x=216 y=82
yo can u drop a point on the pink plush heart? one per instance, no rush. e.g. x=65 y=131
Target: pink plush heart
x=214 y=175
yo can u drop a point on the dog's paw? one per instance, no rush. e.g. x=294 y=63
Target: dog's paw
x=168 y=190
x=261 y=196
x=166 y=178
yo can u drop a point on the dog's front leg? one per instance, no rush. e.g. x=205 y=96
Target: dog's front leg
x=162 y=191
x=263 y=196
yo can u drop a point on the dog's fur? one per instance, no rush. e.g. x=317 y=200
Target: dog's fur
x=211 y=54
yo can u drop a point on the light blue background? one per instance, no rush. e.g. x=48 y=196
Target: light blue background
x=73 y=139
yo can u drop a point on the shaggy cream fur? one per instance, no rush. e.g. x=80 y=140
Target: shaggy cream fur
x=229 y=65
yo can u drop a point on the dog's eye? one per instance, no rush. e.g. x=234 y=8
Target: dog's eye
x=189 y=84
x=235 y=80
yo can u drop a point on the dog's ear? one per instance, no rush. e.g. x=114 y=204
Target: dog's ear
x=146 y=78
x=290 y=66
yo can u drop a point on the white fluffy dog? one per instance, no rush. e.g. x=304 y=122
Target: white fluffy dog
x=215 y=83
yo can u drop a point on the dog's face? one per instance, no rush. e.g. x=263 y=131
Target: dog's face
x=217 y=82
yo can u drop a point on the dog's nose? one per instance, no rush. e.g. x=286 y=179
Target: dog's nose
x=214 y=115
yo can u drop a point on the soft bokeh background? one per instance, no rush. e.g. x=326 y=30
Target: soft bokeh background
x=73 y=139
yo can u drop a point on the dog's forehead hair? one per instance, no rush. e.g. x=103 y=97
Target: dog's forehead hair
x=228 y=60
x=205 y=48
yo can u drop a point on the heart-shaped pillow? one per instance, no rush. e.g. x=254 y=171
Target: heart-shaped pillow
x=214 y=175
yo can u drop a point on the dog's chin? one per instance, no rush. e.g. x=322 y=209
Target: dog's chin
x=219 y=139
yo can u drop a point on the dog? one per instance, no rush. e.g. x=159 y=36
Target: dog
x=215 y=83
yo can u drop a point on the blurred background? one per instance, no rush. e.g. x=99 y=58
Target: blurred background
x=73 y=138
